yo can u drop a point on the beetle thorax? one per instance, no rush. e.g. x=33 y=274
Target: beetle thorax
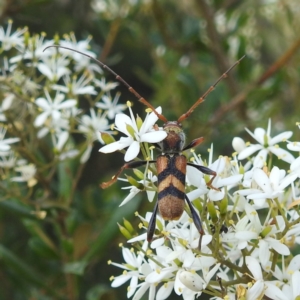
x=175 y=139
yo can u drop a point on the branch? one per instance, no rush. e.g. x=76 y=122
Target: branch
x=112 y=34
x=241 y=97
x=216 y=43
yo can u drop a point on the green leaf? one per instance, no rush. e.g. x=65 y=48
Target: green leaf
x=97 y=292
x=76 y=267
x=17 y=208
x=35 y=229
x=41 y=249
x=111 y=228
x=22 y=269
x=65 y=173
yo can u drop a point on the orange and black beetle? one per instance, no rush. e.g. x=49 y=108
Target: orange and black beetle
x=171 y=164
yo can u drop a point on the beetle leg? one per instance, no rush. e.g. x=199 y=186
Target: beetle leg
x=196 y=219
x=207 y=171
x=152 y=224
x=193 y=143
x=131 y=165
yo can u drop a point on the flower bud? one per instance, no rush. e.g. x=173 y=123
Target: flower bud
x=212 y=211
x=130 y=130
x=125 y=232
x=223 y=204
x=107 y=138
x=26 y=38
x=139 y=174
x=135 y=183
x=139 y=122
x=238 y=144
x=159 y=225
x=191 y=280
x=128 y=225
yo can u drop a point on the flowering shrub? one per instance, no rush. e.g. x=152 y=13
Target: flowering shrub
x=251 y=224
x=251 y=221
x=40 y=93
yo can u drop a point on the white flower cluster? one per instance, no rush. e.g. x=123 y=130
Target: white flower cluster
x=46 y=98
x=251 y=218
x=251 y=221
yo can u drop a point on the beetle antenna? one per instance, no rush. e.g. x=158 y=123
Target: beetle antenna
x=117 y=77
x=210 y=89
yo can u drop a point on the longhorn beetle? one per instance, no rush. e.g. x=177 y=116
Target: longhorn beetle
x=171 y=164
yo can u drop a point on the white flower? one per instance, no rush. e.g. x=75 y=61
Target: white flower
x=8 y=160
x=56 y=126
x=76 y=86
x=271 y=186
x=224 y=178
x=112 y=107
x=82 y=62
x=52 y=108
x=285 y=274
x=9 y=40
x=266 y=144
x=146 y=184
x=92 y=125
x=105 y=87
x=82 y=46
x=292 y=289
x=35 y=50
x=5 y=105
x=4 y=143
x=136 y=134
x=242 y=234
x=27 y=174
x=54 y=67
x=136 y=268
x=260 y=286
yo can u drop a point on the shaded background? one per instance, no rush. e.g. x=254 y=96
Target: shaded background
x=170 y=52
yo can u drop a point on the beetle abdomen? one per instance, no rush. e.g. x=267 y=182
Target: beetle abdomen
x=171 y=185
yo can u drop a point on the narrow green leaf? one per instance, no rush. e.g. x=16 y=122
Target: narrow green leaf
x=22 y=269
x=111 y=228
x=17 y=208
x=76 y=267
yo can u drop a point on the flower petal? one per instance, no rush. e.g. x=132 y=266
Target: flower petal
x=121 y=122
x=132 y=151
x=293 y=146
x=216 y=195
x=282 y=137
x=282 y=154
x=67 y=104
x=153 y=136
x=273 y=292
x=150 y=120
x=260 y=158
x=115 y=146
x=262 y=180
x=40 y=119
x=165 y=290
x=295 y=165
x=254 y=267
x=42 y=103
x=249 y=151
